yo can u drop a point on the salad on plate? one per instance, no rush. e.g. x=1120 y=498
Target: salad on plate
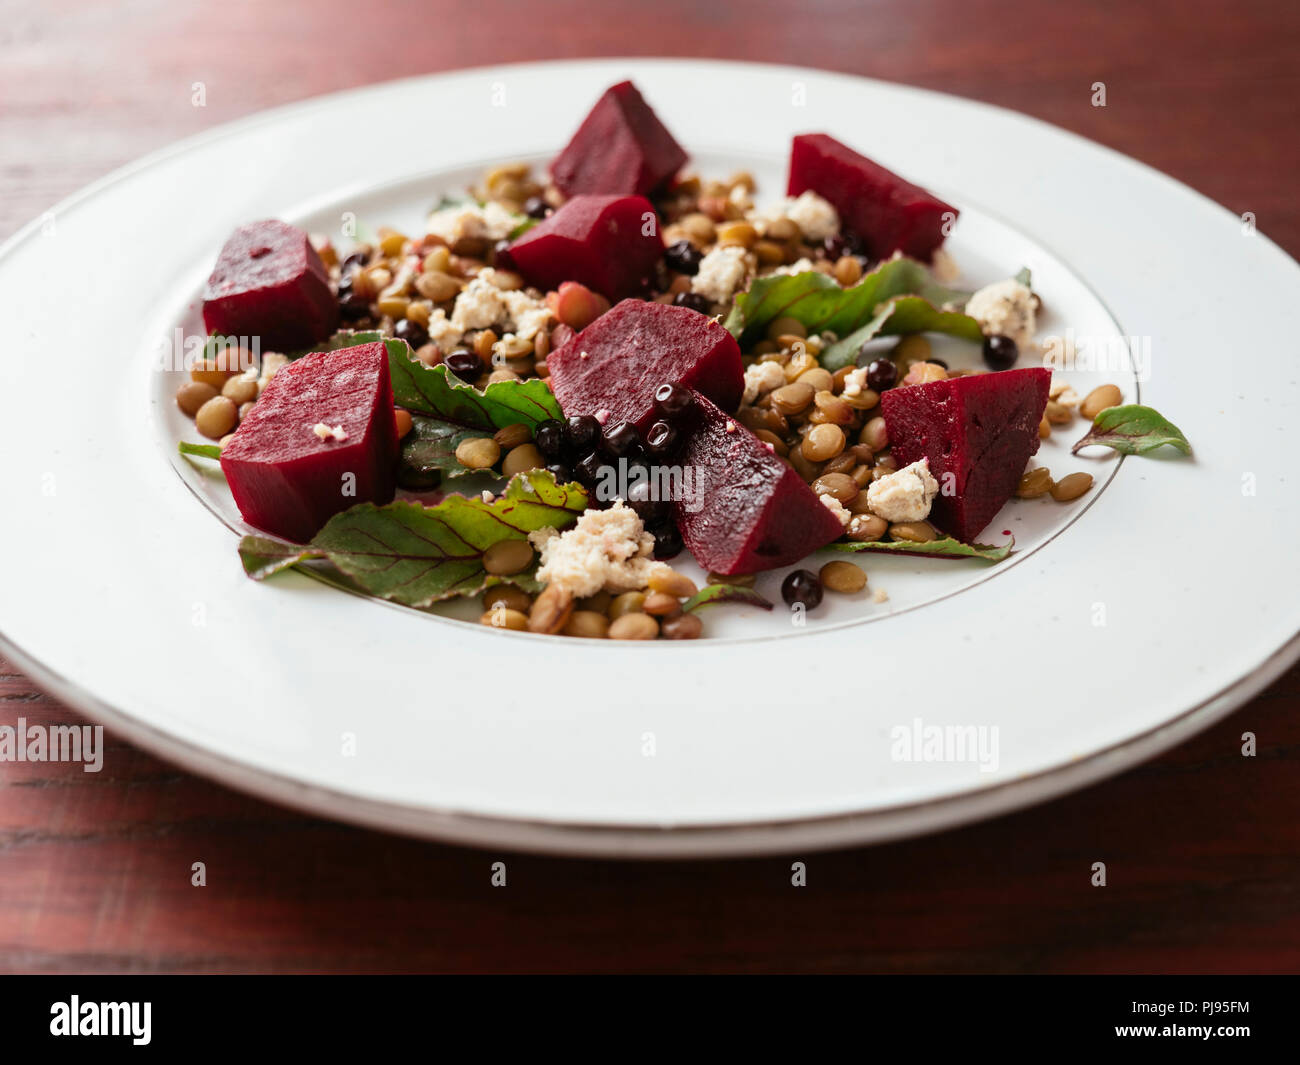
x=573 y=378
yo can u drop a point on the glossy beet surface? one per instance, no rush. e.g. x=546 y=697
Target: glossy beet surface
x=747 y=510
x=269 y=282
x=621 y=146
x=609 y=243
x=977 y=433
x=616 y=363
x=886 y=211
x=286 y=479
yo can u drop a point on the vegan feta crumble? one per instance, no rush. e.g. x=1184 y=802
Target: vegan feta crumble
x=1005 y=308
x=721 y=273
x=325 y=432
x=607 y=550
x=905 y=495
x=469 y=221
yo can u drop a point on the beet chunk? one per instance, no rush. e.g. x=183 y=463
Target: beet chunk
x=617 y=362
x=269 y=282
x=981 y=430
x=748 y=510
x=621 y=147
x=882 y=208
x=601 y=241
x=284 y=477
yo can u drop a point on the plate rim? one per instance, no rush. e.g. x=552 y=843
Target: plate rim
x=748 y=839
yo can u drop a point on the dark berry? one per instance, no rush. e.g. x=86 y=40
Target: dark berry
x=356 y=260
x=562 y=473
x=845 y=242
x=465 y=365
x=620 y=440
x=684 y=257
x=582 y=432
x=549 y=438
x=673 y=399
x=412 y=332
x=501 y=256
x=668 y=541
x=694 y=301
x=999 y=352
x=661 y=439
x=536 y=207
x=352 y=306
x=588 y=469
x=882 y=374
x=802 y=586
x=649 y=510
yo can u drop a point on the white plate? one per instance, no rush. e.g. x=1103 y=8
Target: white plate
x=1123 y=623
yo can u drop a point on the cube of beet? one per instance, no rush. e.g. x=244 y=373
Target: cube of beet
x=748 y=510
x=977 y=432
x=609 y=243
x=621 y=146
x=889 y=213
x=617 y=362
x=289 y=481
x=270 y=283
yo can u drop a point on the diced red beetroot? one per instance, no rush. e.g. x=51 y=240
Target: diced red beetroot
x=617 y=362
x=886 y=211
x=621 y=146
x=269 y=282
x=601 y=241
x=284 y=477
x=980 y=429
x=748 y=510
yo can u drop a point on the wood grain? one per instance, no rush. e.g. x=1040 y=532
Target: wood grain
x=1202 y=845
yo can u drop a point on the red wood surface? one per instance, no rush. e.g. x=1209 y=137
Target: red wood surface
x=1202 y=845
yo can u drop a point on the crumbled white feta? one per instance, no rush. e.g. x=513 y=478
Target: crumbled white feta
x=814 y=216
x=1005 y=308
x=529 y=315
x=483 y=304
x=479 y=305
x=837 y=508
x=442 y=332
x=855 y=381
x=880 y=595
x=905 y=495
x=761 y=378
x=470 y=221
x=721 y=273
x=607 y=550
x=324 y=432
x=799 y=266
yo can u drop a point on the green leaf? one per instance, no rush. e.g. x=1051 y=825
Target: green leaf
x=344 y=338
x=417 y=555
x=945 y=548
x=726 y=593
x=431 y=446
x=1132 y=429
x=262 y=556
x=431 y=390
x=906 y=314
x=856 y=313
x=1024 y=277
x=206 y=451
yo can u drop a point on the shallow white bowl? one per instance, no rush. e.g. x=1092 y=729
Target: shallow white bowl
x=1122 y=624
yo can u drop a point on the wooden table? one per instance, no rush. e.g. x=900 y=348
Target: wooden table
x=1201 y=845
